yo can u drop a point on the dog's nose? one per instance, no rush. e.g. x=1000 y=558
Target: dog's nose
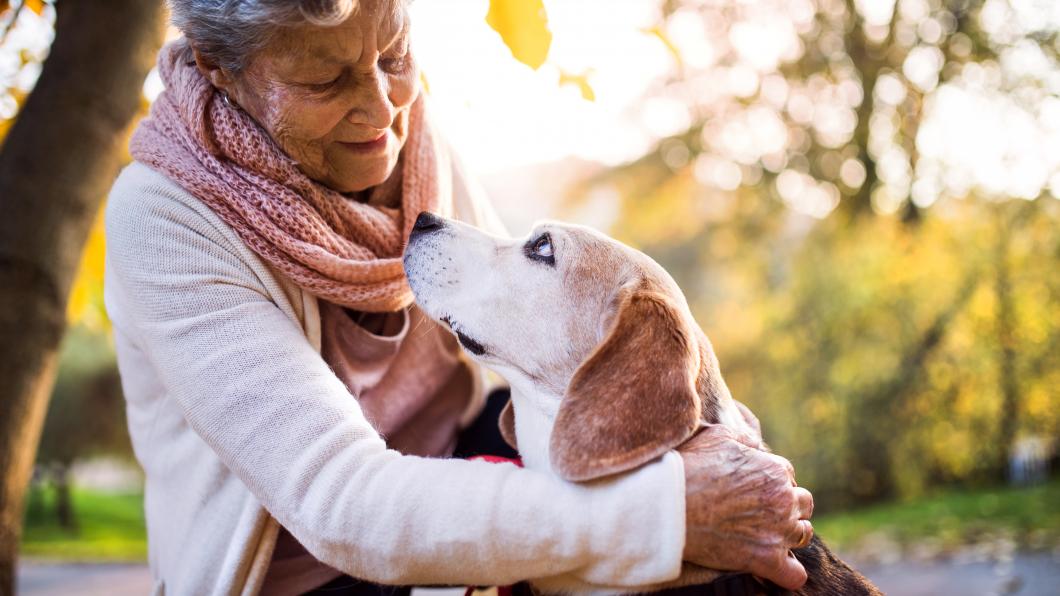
x=427 y=222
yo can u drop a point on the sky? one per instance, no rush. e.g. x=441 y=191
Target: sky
x=501 y=114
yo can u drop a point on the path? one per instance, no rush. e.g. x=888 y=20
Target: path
x=1030 y=574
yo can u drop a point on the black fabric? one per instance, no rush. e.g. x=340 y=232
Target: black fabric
x=347 y=586
x=740 y=584
x=483 y=436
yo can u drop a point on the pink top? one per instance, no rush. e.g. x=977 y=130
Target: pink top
x=414 y=385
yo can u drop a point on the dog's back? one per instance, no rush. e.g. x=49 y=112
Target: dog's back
x=827 y=575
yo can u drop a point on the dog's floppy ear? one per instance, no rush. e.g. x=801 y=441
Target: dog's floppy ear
x=635 y=397
x=507 y=425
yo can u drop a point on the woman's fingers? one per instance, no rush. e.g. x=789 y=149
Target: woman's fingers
x=749 y=417
x=708 y=439
x=800 y=535
x=754 y=437
x=785 y=571
x=804 y=501
x=743 y=510
x=784 y=465
x=749 y=439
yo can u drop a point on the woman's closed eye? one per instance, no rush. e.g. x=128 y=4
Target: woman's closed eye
x=394 y=64
x=396 y=59
x=325 y=84
x=389 y=65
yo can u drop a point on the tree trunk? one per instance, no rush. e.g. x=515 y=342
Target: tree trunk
x=870 y=62
x=56 y=165
x=869 y=447
x=64 y=506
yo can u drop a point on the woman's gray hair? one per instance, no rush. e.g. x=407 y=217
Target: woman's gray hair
x=229 y=32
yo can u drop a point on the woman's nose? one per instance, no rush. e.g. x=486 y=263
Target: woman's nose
x=372 y=106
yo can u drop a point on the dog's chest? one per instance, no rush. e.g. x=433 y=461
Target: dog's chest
x=534 y=418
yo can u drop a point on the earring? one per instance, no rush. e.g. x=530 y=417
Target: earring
x=228 y=102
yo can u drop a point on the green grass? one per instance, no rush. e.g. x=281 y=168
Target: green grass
x=109 y=528
x=1029 y=516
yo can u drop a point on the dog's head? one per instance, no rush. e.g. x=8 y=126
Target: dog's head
x=595 y=323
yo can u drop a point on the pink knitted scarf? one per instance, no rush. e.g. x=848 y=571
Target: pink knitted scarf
x=337 y=248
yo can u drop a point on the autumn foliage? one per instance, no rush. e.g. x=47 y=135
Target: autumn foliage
x=895 y=327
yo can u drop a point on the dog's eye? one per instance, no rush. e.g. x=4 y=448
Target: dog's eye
x=543 y=247
x=540 y=249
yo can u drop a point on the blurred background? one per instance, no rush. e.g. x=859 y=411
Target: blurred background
x=860 y=198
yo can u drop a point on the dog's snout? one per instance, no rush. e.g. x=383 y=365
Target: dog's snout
x=427 y=222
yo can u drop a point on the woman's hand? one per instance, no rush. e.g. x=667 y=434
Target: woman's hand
x=743 y=510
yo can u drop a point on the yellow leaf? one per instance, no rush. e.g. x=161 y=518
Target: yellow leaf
x=523 y=25
x=581 y=81
x=665 y=39
x=86 y=297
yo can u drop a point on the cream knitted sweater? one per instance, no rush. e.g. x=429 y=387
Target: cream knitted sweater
x=240 y=426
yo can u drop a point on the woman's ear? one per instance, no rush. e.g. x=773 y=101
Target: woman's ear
x=218 y=77
x=635 y=397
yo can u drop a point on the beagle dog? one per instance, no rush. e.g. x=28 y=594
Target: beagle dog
x=607 y=367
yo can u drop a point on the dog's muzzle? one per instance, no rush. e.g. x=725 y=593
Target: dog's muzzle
x=421 y=253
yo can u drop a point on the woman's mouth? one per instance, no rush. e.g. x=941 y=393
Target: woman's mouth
x=367 y=147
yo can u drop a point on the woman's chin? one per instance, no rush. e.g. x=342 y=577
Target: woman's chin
x=355 y=175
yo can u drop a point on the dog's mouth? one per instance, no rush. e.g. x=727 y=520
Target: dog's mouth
x=469 y=344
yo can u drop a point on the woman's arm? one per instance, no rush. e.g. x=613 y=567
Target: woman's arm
x=253 y=388
x=742 y=511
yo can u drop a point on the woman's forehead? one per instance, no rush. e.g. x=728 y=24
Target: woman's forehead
x=371 y=29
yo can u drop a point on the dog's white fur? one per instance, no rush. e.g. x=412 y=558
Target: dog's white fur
x=538 y=323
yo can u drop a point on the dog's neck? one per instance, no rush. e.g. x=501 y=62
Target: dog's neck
x=535 y=408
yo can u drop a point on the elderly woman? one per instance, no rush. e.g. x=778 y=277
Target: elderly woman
x=292 y=409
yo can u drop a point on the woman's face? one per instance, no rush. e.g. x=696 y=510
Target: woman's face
x=336 y=99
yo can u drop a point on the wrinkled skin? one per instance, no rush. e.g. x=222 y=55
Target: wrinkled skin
x=743 y=509
x=317 y=89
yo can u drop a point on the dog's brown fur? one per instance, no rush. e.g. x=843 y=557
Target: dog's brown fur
x=635 y=376
x=643 y=391
x=585 y=445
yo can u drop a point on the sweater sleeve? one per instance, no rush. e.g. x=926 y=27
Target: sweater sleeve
x=254 y=389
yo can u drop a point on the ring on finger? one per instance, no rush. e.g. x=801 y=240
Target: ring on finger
x=806 y=537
